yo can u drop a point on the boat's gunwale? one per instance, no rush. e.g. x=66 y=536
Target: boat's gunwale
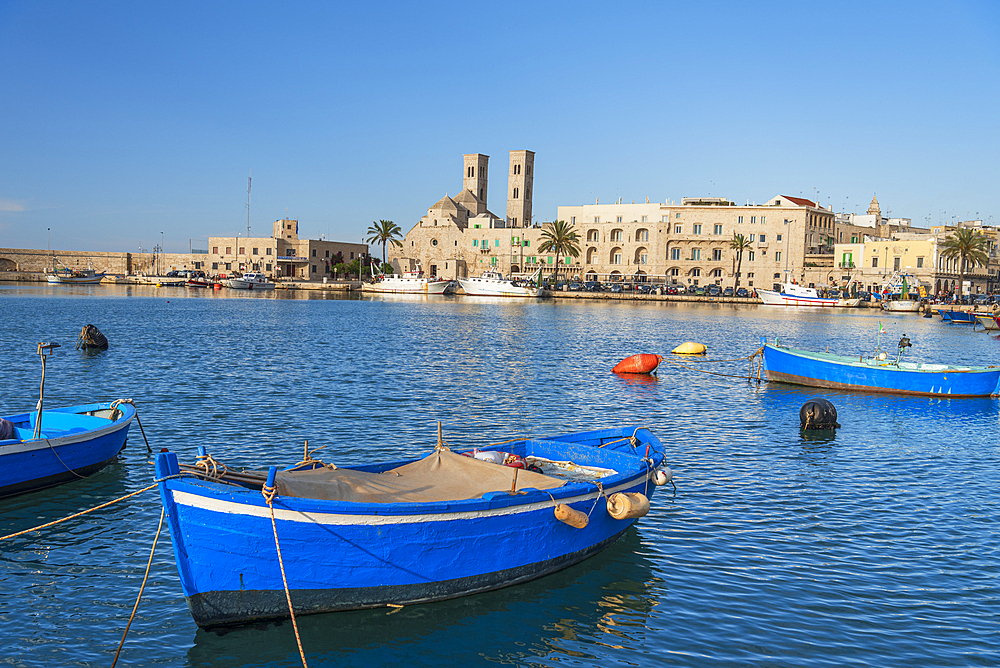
x=16 y=445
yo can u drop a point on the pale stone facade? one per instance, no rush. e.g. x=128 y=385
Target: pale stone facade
x=282 y=255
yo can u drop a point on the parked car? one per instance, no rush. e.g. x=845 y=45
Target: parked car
x=671 y=289
x=592 y=286
x=643 y=288
x=699 y=290
x=728 y=292
x=575 y=286
x=742 y=292
x=713 y=290
x=616 y=287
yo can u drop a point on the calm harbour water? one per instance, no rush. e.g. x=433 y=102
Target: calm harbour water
x=878 y=546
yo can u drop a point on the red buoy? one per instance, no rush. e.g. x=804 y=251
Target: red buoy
x=641 y=363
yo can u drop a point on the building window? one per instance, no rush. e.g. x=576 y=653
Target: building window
x=215 y=250
x=717 y=273
x=777 y=256
x=572 y=220
x=352 y=252
x=643 y=259
x=327 y=253
x=229 y=265
x=753 y=238
x=920 y=262
x=267 y=267
x=475 y=243
x=762 y=220
x=696 y=272
x=255 y=252
x=496 y=243
x=761 y=238
x=739 y=220
x=229 y=250
x=314 y=254
x=513 y=222
x=215 y=265
x=619 y=219
x=697 y=229
x=597 y=219
x=753 y=220
x=895 y=264
x=716 y=254
x=526 y=243
x=616 y=258
x=717 y=230
x=243 y=250
x=675 y=253
x=665 y=219
x=750 y=256
x=778 y=237
x=642 y=235
x=695 y=253
x=434 y=242
x=677 y=229
x=313 y=269
x=515 y=193
x=645 y=219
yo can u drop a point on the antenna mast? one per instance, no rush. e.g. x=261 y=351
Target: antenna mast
x=248 y=206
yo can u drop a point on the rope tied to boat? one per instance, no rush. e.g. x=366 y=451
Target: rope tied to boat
x=145 y=577
x=131 y=402
x=210 y=466
x=600 y=489
x=269 y=493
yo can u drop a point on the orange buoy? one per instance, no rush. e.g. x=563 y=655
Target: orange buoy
x=641 y=363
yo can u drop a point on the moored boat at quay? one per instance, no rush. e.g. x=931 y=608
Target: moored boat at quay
x=252 y=280
x=792 y=294
x=410 y=282
x=493 y=284
x=403 y=532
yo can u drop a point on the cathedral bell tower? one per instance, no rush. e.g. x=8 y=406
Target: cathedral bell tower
x=520 y=179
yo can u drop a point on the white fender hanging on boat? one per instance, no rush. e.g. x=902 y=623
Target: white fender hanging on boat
x=663 y=476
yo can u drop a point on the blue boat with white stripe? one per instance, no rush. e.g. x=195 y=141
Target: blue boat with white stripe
x=878 y=373
x=403 y=532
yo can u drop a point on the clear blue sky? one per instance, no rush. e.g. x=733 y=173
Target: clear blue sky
x=119 y=121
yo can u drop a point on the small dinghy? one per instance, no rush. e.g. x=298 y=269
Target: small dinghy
x=401 y=532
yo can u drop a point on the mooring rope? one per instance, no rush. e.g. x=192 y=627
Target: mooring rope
x=138 y=421
x=141 y=587
x=269 y=493
x=75 y=515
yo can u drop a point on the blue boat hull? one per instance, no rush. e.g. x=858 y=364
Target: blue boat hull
x=843 y=373
x=343 y=556
x=75 y=443
x=961 y=317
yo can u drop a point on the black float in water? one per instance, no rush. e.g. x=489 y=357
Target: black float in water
x=818 y=414
x=91 y=337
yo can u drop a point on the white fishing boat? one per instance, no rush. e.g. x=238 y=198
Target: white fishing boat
x=792 y=294
x=493 y=284
x=66 y=275
x=411 y=282
x=252 y=280
x=898 y=292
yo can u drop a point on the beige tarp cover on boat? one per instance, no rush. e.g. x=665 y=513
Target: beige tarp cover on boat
x=441 y=476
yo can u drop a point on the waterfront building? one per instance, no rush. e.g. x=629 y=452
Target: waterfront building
x=686 y=243
x=282 y=255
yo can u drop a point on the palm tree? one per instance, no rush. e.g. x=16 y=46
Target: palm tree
x=739 y=243
x=384 y=232
x=559 y=238
x=968 y=247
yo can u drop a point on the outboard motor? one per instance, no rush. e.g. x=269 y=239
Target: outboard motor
x=818 y=414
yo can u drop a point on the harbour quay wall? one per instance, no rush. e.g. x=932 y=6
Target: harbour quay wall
x=34 y=262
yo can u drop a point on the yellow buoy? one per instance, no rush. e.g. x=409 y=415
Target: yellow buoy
x=159 y=285
x=690 y=348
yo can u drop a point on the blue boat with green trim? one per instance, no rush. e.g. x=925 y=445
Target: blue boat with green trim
x=877 y=373
x=397 y=533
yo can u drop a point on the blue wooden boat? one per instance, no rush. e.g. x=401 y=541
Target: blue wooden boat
x=877 y=373
x=402 y=532
x=962 y=317
x=72 y=443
